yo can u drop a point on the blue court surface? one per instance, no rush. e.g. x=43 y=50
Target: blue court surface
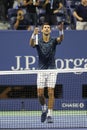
x=30 y=120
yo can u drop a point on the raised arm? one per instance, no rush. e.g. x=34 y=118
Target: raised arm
x=59 y=8
x=61 y=32
x=33 y=37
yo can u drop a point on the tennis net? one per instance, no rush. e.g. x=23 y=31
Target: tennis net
x=20 y=107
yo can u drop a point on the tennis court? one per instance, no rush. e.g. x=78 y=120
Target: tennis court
x=68 y=114
x=31 y=120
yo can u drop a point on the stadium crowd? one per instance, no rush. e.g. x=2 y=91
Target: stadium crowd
x=25 y=14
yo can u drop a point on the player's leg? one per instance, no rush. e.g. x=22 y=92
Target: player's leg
x=50 y=104
x=51 y=98
x=41 y=98
x=43 y=103
x=51 y=80
x=40 y=92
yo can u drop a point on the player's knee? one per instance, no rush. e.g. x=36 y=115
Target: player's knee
x=51 y=93
x=41 y=98
x=40 y=93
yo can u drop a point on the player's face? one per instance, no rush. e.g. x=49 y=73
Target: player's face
x=46 y=29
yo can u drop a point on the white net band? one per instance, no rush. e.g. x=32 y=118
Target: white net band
x=75 y=70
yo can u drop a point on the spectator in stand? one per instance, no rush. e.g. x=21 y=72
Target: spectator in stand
x=18 y=4
x=80 y=13
x=21 y=23
x=2 y=11
x=52 y=8
x=8 y=4
x=12 y=12
x=31 y=10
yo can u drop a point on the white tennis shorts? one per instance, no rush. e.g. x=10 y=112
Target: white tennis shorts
x=46 y=80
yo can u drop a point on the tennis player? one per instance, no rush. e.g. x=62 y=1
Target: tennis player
x=46 y=48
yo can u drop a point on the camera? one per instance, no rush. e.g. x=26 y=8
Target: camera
x=19 y=14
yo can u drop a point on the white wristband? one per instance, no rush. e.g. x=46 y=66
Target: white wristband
x=36 y=39
x=33 y=36
x=61 y=32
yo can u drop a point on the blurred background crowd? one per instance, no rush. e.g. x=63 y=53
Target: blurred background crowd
x=25 y=14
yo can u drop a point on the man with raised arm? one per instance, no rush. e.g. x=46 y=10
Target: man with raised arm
x=46 y=48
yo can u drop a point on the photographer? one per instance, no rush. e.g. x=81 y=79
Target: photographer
x=21 y=23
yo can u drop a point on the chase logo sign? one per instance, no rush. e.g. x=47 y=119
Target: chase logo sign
x=73 y=105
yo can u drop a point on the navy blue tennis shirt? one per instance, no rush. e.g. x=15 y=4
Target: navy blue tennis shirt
x=46 y=52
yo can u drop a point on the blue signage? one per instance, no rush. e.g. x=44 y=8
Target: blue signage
x=17 y=54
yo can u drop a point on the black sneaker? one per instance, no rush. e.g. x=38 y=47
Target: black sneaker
x=43 y=116
x=49 y=119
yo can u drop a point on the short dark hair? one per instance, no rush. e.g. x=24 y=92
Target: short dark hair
x=46 y=23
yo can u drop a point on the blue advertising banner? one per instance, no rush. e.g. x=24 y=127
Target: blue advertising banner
x=17 y=54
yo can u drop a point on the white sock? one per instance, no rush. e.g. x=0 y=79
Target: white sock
x=49 y=112
x=44 y=108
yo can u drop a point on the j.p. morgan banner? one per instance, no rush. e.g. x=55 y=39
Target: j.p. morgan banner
x=16 y=53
